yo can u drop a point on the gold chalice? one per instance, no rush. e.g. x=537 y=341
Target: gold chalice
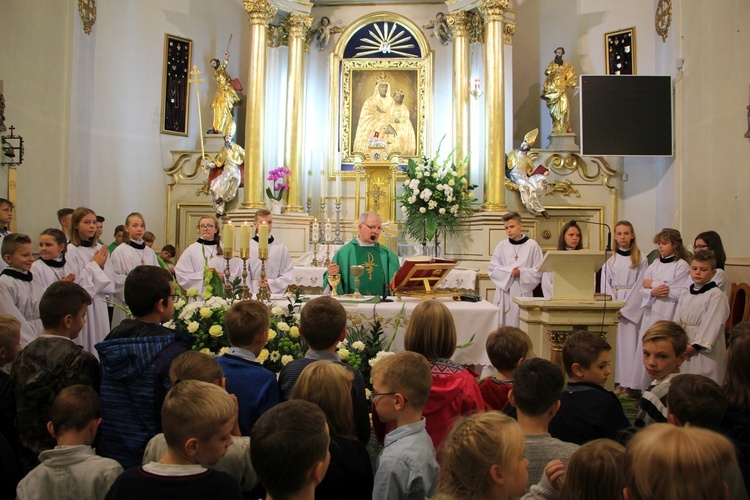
x=356 y=271
x=334 y=280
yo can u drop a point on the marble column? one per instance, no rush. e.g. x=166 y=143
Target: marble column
x=460 y=24
x=493 y=15
x=297 y=27
x=260 y=13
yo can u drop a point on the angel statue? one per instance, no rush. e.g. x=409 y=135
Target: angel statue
x=440 y=27
x=224 y=186
x=531 y=185
x=226 y=98
x=324 y=31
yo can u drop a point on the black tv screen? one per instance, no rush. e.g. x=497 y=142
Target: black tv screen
x=626 y=115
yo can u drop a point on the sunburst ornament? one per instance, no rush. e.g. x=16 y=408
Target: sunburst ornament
x=87 y=11
x=663 y=18
x=386 y=38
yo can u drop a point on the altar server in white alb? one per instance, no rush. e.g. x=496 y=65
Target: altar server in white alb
x=279 y=267
x=621 y=279
x=19 y=292
x=664 y=281
x=53 y=266
x=92 y=258
x=513 y=269
x=206 y=253
x=703 y=311
x=127 y=257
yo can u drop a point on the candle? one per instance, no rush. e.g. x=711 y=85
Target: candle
x=309 y=184
x=323 y=184
x=315 y=231
x=228 y=239
x=263 y=241
x=328 y=231
x=245 y=241
x=338 y=186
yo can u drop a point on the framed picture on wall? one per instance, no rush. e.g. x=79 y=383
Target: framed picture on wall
x=175 y=96
x=619 y=48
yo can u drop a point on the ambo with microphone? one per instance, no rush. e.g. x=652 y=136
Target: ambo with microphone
x=574 y=222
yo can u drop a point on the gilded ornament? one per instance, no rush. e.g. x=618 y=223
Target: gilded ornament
x=663 y=19
x=298 y=26
x=509 y=29
x=493 y=10
x=260 y=11
x=460 y=23
x=87 y=11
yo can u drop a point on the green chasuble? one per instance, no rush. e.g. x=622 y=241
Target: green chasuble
x=380 y=265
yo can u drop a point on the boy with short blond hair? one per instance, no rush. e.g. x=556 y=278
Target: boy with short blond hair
x=198 y=418
x=703 y=312
x=407 y=467
x=290 y=449
x=72 y=467
x=587 y=410
x=247 y=323
x=506 y=347
x=50 y=363
x=664 y=350
x=513 y=269
x=323 y=326
x=19 y=292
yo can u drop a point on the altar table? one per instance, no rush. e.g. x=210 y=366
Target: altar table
x=471 y=318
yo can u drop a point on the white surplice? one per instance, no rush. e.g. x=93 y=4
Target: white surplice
x=20 y=299
x=97 y=318
x=703 y=316
x=676 y=275
x=124 y=259
x=622 y=282
x=527 y=257
x=279 y=267
x=189 y=269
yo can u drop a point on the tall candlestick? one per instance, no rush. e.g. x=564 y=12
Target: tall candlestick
x=315 y=230
x=263 y=241
x=244 y=240
x=338 y=186
x=309 y=184
x=323 y=184
x=228 y=239
x=327 y=231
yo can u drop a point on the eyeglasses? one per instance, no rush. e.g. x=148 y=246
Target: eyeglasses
x=207 y=226
x=700 y=247
x=377 y=228
x=174 y=296
x=374 y=395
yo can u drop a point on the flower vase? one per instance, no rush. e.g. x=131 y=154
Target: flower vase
x=276 y=207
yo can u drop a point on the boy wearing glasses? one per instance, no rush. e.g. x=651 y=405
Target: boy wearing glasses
x=379 y=261
x=407 y=467
x=135 y=359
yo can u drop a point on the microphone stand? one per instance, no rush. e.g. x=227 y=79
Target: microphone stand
x=574 y=222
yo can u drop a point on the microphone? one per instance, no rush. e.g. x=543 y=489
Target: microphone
x=384 y=297
x=574 y=222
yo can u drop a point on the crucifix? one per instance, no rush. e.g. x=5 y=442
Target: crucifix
x=195 y=80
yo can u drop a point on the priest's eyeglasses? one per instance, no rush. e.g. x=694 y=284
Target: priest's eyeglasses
x=373 y=228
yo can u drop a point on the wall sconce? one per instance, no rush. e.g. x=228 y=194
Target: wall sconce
x=12 y=149
x=476 y=92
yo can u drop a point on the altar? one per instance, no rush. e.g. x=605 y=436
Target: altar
x=477 y=319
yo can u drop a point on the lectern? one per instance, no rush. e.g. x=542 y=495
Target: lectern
x=574 y=273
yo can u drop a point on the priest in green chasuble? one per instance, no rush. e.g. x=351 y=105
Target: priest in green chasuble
x=379 y=261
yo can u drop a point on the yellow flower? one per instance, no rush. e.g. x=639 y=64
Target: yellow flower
x=193 y=326
x=208 y=289
x=262 y=356
x=215 y=331
x=343 y=354
x=223 y=350
x=294 y=332
x=206 y=350
x=271 y=334
x=206 y=312
x=192 y=292
x=207 y=294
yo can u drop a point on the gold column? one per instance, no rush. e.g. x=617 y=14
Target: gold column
x=460 y=24
x=493 y=14
x=297 y=28
x=260 y=13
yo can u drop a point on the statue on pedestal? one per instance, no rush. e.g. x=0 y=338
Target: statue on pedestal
x=532 y=186
x=560 y=76
x=224 y=186
x=226 y=98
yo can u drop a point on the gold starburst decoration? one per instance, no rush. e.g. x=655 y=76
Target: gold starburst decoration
x=388 y=39
x=663 y=19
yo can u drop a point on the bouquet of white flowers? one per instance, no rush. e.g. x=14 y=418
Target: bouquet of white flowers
x=203 y=320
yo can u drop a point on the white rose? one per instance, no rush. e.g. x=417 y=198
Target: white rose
x=169 y=324
x=435 y=175
x=432 y=204
x=422 y=210
x=442 y=211
x=451 y=182
x=193 y=326
x=179 y=304
x=404 y=208
x=358 y=346
x=342 y=344
x=277 y=311
x=286 y=358
x=412 y=199
x=414 y=184
x=343 y=354
x=281 y=326
x=440 y=187
x=419 y=175
x=426 y=194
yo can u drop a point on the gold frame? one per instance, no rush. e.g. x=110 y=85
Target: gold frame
x=616 y=37
x=184 y=92
x=341 y=99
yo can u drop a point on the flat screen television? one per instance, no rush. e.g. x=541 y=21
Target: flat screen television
x=626 y=115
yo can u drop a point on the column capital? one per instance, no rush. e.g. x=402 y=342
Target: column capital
x=493 y=10
x=259 y=11
x=509 y=29
x=460 y=23
x=298 y=26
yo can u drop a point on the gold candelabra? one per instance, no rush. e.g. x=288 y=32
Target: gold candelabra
x=227 y=274
x=263 y=293
x=328 y=253
x=244 y=255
